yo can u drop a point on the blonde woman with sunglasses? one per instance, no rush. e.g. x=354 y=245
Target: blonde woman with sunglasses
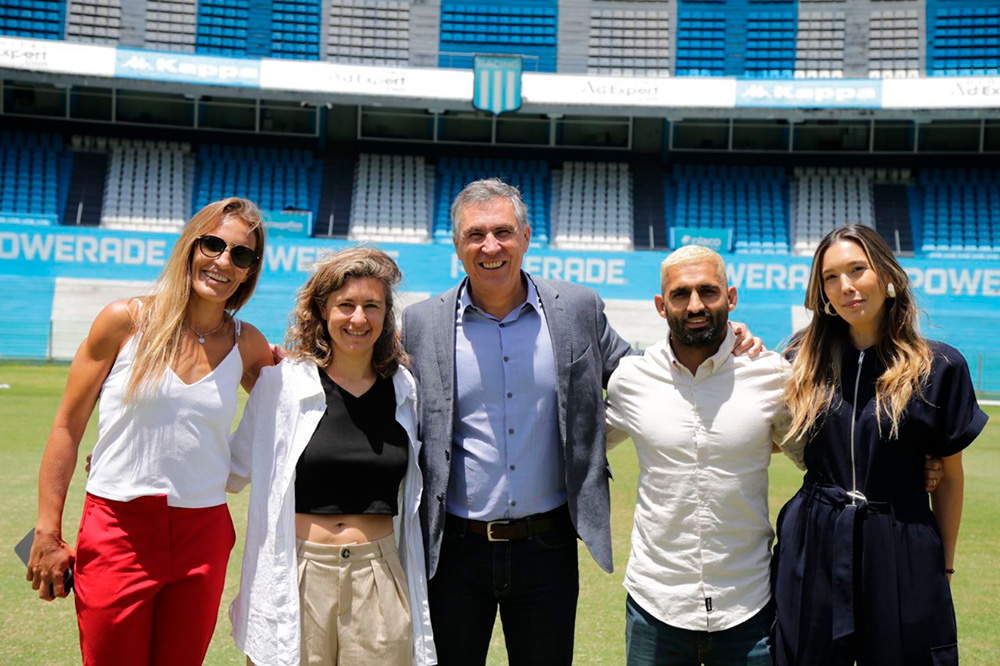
x=155 y=537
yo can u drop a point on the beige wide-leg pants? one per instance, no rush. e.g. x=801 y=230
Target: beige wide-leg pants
x=353 y=604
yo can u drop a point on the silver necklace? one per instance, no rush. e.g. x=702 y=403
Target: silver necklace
x=201 y=336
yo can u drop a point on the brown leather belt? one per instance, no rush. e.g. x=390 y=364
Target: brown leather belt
x=513 y=530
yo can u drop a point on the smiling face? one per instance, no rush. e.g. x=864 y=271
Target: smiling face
x=491 y=246
x=355 y=315
x=215 y=279
x=696 y=304
x=853 y=287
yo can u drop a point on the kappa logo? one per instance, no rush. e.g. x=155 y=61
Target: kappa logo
x=138 y=63
x=202 y=70
x=798 y=93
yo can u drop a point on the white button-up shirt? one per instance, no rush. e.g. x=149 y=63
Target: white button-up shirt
x=701 y=539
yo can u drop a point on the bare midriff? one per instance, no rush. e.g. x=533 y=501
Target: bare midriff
x=342 y=529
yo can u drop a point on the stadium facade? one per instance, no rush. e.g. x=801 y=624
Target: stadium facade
x=631 y=128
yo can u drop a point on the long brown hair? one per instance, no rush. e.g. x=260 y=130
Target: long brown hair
x=819 y=349
x=159 y=322
x=308 y=336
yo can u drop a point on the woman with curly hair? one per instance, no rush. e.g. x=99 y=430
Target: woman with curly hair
x=863 y=562
x=333 y=567
x=155 y=537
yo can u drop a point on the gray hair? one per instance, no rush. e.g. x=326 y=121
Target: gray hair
x=484 y=192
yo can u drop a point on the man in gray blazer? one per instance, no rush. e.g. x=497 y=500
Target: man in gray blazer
x=511 y=369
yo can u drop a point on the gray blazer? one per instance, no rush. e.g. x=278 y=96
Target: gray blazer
x=587 y=351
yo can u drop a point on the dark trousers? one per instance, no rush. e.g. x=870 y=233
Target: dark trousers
x=534 y=582
x=650 y=642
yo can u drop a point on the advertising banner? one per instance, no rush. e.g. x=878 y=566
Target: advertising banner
x=617 y=91
x=943 y=92
x=187 y=68
x=720 y=240
x=810 y=94
x=394 y=82
x=45 y=55
x=960 y=298
x=288 y=224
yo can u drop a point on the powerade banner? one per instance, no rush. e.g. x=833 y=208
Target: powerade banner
x=960 y=298
x=810 y=94
x=81 y=252
x=720 y=240
x=187 y=68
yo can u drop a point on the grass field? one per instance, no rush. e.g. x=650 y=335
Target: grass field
x=33 y=632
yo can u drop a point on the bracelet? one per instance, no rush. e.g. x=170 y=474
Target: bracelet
x=949 y=571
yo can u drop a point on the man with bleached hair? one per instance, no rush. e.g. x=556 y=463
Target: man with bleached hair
x=704 y=423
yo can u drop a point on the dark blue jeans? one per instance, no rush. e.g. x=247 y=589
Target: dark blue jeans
x=534 y=582
x=650 y=642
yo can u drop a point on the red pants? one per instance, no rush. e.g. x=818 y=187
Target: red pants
x=148 y=580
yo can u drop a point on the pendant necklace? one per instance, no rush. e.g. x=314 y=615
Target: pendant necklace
x=201 y=336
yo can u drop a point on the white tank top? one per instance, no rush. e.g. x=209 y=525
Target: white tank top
x=173 y=441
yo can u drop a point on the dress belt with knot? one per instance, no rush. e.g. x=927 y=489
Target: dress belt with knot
x=853 y=504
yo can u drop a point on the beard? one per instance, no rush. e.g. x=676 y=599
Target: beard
x=712 y=334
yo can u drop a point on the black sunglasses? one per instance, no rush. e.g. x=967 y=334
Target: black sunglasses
x=213 y=246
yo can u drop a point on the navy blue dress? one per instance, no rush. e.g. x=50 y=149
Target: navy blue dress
x=863 y=578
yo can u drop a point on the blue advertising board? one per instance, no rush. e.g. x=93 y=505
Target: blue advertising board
x=720 y=240
x=810 y=94
x=961 y=299
x=187 y=68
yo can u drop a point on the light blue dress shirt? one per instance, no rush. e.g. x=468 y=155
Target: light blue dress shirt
x=506 y=460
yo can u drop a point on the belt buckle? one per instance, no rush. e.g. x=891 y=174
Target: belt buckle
x=489 y=529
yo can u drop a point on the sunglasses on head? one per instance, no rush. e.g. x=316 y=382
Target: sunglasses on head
x=213 y=246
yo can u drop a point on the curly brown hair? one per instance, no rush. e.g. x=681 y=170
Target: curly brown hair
x=307 y=332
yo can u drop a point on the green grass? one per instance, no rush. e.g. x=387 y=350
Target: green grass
x=33 y=632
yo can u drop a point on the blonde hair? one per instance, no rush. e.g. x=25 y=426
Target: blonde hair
x=819 y=349
x=308 y=336
x=159 y=322
x=692 y=254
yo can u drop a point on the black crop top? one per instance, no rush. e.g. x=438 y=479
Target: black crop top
x=357 y=457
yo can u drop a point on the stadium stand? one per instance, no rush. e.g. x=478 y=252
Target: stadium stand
x=963 y=37
x=391 y=199
x=148 y=185
x=34 y=171
x=751 y=201
x=170 y=25
x=823 y=199
x=961 y=212
x=94 y=21
x=894 y=44
x=595 y=207
x=277 y=179
x=701 y=42
x=820 y=45
x=770 y=44
x=35 y=19
x=223 y=27
x=369 y=32
x=532 y=177
x=295 y=32
x=629 y=42
x=523 y=27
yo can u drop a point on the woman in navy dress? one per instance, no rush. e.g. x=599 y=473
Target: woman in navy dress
x=863 y=563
